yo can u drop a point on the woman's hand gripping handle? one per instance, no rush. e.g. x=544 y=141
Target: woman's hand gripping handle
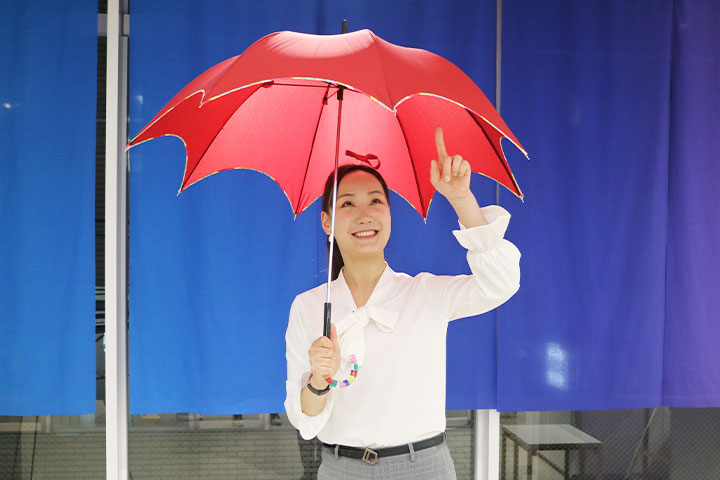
x=324 y=356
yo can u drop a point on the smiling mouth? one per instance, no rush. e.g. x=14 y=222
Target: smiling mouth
x=365 y=234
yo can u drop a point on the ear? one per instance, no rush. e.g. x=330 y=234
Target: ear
x=325 y=220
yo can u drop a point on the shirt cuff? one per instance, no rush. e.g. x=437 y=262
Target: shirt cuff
x=484 y=237
x=309 y=426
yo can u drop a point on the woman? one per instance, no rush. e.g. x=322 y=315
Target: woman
x=390 y=422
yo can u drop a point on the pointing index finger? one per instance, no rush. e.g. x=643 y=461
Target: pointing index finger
x=440 y=143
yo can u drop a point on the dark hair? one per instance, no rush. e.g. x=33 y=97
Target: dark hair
x=337 y=261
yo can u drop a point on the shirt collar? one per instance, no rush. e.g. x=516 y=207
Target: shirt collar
x=351 y=325
x=383 y=286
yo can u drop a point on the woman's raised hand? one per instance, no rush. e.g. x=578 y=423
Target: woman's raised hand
x=450 y=175
x=324 y=358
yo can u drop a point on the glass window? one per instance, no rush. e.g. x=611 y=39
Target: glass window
x=658 y=443
x=256 y=446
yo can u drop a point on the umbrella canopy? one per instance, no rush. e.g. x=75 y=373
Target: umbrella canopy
x=274 y=109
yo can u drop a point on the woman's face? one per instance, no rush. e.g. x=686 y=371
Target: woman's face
x=362 y=220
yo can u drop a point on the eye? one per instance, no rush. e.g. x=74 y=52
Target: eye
x=346 y=203
x=377 y=200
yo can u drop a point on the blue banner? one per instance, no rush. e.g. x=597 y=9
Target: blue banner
x=586 y=85
x=213 y=271
x=47 y=200
x=692 y=362
x=613 y=100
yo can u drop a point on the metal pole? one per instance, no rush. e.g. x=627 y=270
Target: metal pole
x=493 y=466
x=498 y=73
x=116 y=373
x=487 y=422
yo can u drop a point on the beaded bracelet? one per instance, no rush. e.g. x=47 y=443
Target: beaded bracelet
x=353 y=375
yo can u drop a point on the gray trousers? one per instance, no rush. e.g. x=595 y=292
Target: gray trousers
x=433 y=463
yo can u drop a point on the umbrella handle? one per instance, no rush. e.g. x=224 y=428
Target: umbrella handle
x=353 y=360
x=326 y=322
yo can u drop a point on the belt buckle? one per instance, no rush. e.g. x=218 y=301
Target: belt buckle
x=370 y=456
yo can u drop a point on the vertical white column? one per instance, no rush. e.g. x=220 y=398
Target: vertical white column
x=493 y=465
x=116 y=374
x=487 y=445
x=487 y=422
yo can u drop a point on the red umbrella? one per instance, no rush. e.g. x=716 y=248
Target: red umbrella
x=292 y=101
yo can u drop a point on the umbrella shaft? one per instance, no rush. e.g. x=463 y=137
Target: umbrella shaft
x=326 y=323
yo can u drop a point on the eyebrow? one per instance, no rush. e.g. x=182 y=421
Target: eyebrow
x=369 y=193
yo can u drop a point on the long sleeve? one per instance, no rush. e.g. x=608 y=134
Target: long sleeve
x=495 y=266
x=297 y=343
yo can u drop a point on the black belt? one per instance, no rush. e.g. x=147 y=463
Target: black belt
x=372 y=456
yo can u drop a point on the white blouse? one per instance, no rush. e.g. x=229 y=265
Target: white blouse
x=399 y=340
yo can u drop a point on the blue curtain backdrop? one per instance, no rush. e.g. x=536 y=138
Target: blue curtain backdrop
x=213 y=271
x=587 y=88
x=692 y=336
x=586 y=85
x=48 y=54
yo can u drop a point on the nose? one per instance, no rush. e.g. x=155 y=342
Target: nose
x=363 y=215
